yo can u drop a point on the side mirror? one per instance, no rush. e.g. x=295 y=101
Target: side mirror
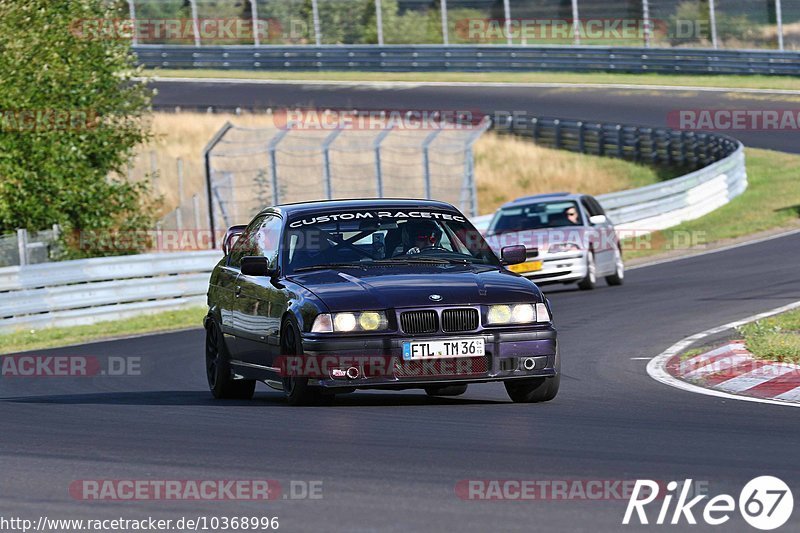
x=598 y=219
x=231 y=236
x=256 y=265
x=514 y=255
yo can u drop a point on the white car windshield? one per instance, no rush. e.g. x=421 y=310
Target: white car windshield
x=536 y=216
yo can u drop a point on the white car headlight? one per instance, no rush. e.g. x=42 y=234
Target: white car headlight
x=563 y=247
x=347 y=322
x=517 y=314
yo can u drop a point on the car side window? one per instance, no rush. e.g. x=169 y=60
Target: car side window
x=268 y=238
x=245 y=244
x=587 y=205
x=597 y=207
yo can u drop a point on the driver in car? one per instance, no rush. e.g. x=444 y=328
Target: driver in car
x=419 y=235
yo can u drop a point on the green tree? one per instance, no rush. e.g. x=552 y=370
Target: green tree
x=54 y=64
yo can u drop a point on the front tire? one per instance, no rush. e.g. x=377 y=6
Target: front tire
x=447 y=390
x=533 y=390
x=298 y=391
x=218 y=369
x=590 y=280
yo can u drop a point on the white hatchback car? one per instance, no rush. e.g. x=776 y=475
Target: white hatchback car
x=569 y=239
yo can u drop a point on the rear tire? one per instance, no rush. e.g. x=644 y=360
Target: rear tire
x=298 y=391
x=590 y=280
x=533 y=390
x=447 y=390
x=218 y=369
x=618 y=277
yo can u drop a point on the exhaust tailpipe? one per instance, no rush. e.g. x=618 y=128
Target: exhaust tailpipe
x=353 y=372
x=529 y=363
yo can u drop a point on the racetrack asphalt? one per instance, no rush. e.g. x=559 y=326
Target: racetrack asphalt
x=391 y=461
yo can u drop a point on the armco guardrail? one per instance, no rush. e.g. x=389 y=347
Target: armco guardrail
x=86 y=291
x=70 y=293
x=470 y=58
x=718 y=163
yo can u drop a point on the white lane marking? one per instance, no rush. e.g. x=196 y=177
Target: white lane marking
x=755 y=377
x=695 y=361
x=640 y=358
x=657 y=367
x=791 y=396
x=525 y=85
x=719 y=365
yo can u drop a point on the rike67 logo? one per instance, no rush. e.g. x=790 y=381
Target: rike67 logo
x=765 y=503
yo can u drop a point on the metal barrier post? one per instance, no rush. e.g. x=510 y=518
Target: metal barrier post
x=779 y=20
x=426 y=163
x=326 y=162
x=315 y=15
x=254 y=21
x=22 y=246
x=379 y=21
x=207 y=159
x=132 y=12
x=273 y=165
x=179 y=211
x=196 y=209
x=646 y=20
x=576 y=22
x=581 y=137
x=445 y=36
x=507 y=22
x=712 y=13
x=195 y=23
x=378 y=167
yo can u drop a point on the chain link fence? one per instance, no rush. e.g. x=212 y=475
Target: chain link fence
x=250 y=168
x=731 y=24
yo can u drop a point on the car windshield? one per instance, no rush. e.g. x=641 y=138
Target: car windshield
x=536 y=216
x=391 y=237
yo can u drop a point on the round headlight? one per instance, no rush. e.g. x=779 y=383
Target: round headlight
x=345 y=322
x=522 y=313
x=499 y=314
x=370 y=321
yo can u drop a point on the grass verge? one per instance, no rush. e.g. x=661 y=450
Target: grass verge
x=775 y=338
x=771 y=201
x=52 y=337
x=678 y=80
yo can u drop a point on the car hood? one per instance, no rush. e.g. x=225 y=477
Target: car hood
x=353 y=289
x=540 y=238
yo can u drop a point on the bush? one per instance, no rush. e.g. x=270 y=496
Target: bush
x=90 y=117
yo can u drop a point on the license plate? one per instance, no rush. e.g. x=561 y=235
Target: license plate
x=443 y=348
x=530 y=266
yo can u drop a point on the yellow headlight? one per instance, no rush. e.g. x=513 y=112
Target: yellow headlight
x=499 y=314
x=370 y=321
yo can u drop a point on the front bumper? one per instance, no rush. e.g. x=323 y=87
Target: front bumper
x=562 y=267
x=380 y=362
